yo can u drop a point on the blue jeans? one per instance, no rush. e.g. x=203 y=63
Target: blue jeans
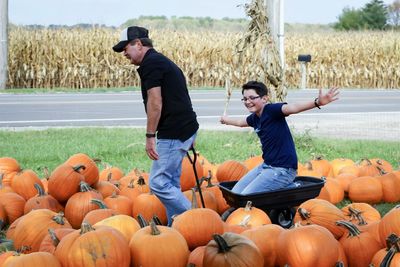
x=265 y=178
x=166 y=172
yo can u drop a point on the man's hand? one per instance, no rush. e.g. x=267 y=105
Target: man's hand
x=151 y=148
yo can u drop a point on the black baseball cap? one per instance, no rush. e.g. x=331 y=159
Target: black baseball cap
x=129 y=34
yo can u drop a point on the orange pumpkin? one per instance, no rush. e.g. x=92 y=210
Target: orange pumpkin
x=302 y=246
x=165 y=246
x=196 y=257
x=42 y=201
x=33 y=259
x=267 y=246
x=338 y=164
x=121 y=204
x=64 y=181
x=111 y=173
x=13 y=204
x=361 y=213
x=332 y=191
x=389 y=224
x=188 y=179
x=231 y=170
x=366 y=189
x=253 y=162
x=38 y=222
x=80 y=204
x=320 y=212
x=53 y=238
x=148 y=205
x=230 y=249
x=321 y=165
x=389 y=256
x=198 y=225
x=23 y=183
x=90 y=172
x=89 y=246
x=359 y=246
x=258 y=217
x=8 y=167
x=99 y=214
x=123 y=223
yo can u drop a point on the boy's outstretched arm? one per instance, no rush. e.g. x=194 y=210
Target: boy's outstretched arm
x=323 y=99
x=239 y=122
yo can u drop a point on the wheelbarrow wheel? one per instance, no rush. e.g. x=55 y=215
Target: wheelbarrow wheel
x=282 y=217
x=226 y=213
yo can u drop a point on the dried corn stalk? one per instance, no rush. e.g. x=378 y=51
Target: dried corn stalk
x=258 y=38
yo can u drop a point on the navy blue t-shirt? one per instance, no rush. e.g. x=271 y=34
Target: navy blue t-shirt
x=178 y=119
x=274 y=133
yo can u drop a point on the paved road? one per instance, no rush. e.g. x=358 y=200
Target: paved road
x=369 y=114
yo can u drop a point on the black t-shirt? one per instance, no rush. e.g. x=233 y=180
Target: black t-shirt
x=178 y=120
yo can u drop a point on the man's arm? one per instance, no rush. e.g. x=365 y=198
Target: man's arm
x=322 y=100
x=153 y=107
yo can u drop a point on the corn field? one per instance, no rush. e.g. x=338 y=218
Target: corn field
x=82 y=58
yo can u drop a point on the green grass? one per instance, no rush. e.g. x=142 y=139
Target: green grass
x=124 y=148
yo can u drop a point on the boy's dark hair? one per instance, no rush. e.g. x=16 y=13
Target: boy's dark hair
x=145 y=42
x=260 y=88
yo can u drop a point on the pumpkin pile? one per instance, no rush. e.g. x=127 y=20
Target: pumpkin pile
x=80 y=215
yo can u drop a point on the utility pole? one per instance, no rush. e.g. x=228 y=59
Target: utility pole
x=3 y=43
x=275 y=11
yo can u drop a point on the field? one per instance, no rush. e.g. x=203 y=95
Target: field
x=81 y=58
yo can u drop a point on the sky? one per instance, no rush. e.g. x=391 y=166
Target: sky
x=116 y=12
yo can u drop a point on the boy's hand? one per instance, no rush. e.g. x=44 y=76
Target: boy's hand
x=330 y=96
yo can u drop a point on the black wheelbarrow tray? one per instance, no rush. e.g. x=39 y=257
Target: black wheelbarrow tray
x=278 y=204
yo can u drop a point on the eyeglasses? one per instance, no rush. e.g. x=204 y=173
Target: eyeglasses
x=251 y=98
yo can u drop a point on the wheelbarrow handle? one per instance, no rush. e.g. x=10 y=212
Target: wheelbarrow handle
x=193 y=162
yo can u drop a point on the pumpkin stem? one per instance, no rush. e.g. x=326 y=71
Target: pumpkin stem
x=223 y=247
x=99 y=203
x=304 y=214
x=59 y=218
x=393 y=245
x=353 y=229
x=248 y=206
x=109 y=176
x=77 y=168
x=85 y=228
x=339 y=264
x=40 y=190
x=141 y=180
x=84 y=187
x=142 y=221
x=154 y=228
x=131 y=184
x=156 y=220
x=245 y=221
x=53 y=237
x=195 y=205
x=356 y=214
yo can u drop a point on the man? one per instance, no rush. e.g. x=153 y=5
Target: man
x=170 y=116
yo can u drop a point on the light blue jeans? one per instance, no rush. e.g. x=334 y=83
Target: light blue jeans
x=265 y=178
x=166 y=172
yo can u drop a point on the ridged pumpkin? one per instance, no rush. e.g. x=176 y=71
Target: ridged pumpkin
x=148 y=205
x=123 y=223
x=33 y=227
x=366 y=189
x=258 y=217
x=389 y=256
x=89 y=247
x=90 y=172
x=53 y=238
x=389 y=224
x=80 y=204
x=309 y=245
x=42 y=201
x=64 y=181
x=198 y=225
x=230 y=249
x=231 y=170
x=34 y=259
x=24 y=182
x=267 y=246
x=158 y=246
x=320 y=212
x=8 y=167
x=188 y=179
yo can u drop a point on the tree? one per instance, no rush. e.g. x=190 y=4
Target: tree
x=373 y=16
x=394 y=13
x=350 y=19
